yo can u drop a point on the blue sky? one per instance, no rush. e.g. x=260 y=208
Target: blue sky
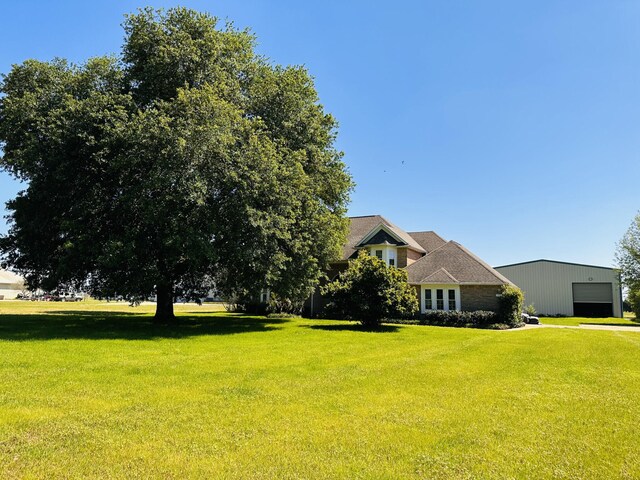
x=511 y=127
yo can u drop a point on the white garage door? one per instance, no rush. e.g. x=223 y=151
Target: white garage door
x=593 y=299
x=592 y=293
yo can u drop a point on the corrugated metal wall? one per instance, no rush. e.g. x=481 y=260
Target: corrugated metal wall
x=549 y=285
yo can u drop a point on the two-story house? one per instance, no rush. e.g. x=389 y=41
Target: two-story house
x=445 y=274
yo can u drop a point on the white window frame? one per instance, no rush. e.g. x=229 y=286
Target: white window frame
x=445 y=296
x=265 y=295
x=389 y=252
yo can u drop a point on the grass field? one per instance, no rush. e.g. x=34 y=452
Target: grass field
x=96 y=391
x=629 y=320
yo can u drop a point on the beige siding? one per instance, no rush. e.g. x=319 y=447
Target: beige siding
x=9 y=293
x=10 y=284
x=413 y=256
x=549 y=285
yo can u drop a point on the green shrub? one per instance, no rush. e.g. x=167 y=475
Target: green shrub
x=280 y=305
x=477 y=319
x=283 y=315
x=530 y=310
x=370 y=292
x=510 y=305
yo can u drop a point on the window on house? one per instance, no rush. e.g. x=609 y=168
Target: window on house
x=265 y=297
x=439 y=299
x=452 y=299
x=392 y=262
x=428 y=304
x=379 y=254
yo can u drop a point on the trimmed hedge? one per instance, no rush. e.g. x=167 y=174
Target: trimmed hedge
x=477 y=319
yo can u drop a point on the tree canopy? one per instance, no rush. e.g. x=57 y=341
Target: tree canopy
x=628 y=259
x=185 y=163
x=370 y=292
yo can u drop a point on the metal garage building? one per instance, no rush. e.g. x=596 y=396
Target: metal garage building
x=567 y=288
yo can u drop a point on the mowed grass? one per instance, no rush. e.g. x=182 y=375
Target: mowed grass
x=97 y=391
x=628 y=320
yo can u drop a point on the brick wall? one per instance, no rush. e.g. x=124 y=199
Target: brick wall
x=402 y=258
x=479 y=297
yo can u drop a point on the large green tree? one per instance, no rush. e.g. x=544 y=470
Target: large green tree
x=185 y=163
x=628 y=259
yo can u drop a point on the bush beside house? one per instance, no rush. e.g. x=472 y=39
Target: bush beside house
x=510 y=305
x=369 y=291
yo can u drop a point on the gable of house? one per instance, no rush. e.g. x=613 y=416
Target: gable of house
x=364 y=229
x=382 y=237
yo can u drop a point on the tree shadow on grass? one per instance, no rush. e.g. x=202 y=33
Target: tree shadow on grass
x=93 y=325
x=354 y=327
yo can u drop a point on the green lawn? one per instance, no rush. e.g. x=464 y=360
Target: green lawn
x=93 y=390
x=629 y=320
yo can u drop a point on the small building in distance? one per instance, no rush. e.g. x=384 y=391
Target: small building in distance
x=563 y=288
x=11 y=285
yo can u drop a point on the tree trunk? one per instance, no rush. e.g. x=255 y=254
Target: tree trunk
x=164 y=305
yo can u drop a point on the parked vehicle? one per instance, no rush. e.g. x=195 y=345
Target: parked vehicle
x=530 y=319
x=71 y=297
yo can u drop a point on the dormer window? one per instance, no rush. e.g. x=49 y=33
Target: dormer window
x=379 y=254
x=392 y=262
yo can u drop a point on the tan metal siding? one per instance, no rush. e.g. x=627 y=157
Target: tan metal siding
x=549 y=285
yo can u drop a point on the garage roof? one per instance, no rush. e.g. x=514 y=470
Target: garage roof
x=554 y=261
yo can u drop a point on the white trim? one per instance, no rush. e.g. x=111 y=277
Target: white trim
x=265 y=292
x=376 y=229
x=389 y=252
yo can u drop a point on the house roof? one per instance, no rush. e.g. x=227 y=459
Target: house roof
x=443 y=262
x=453 y=263
x=361 y=227
x=429 y=240
x=440 y=276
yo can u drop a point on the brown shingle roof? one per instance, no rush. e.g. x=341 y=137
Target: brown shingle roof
x=457 y=262
x=444 y=262
x=428 y=240
x=360 y=227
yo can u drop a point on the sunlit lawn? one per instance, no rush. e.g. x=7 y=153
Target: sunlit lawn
x=96 y=391
x=628 y=320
